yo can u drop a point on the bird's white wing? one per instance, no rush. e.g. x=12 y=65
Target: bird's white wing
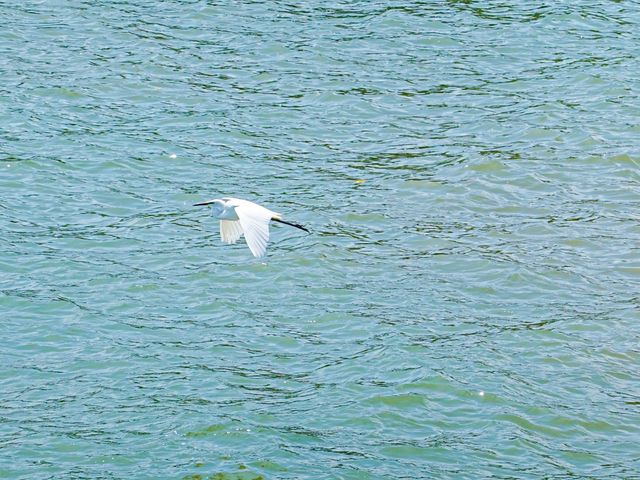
x=255 y=224
x=230 y=230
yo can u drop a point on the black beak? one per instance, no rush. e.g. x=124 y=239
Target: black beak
x=208 y=202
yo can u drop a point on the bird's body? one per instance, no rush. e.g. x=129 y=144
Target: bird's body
x=241 y=217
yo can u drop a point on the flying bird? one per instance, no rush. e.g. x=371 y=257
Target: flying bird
x=242 y=217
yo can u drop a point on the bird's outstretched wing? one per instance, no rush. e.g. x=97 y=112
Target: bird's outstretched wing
x=230 y=230
x=254 y=220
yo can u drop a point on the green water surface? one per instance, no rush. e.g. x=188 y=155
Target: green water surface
x=466 y=305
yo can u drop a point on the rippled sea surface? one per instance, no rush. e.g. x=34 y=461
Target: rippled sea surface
x=467 y=304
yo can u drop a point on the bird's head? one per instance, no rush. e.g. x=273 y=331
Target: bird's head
x=216 y=203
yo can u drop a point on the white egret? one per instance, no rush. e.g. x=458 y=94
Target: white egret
x=242 y=217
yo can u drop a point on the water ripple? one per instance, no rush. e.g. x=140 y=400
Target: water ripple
x=466 y=304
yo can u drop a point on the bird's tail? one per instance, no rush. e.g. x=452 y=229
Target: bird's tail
x=297 y=225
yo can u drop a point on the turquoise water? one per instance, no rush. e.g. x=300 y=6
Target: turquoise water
x=466 y=306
